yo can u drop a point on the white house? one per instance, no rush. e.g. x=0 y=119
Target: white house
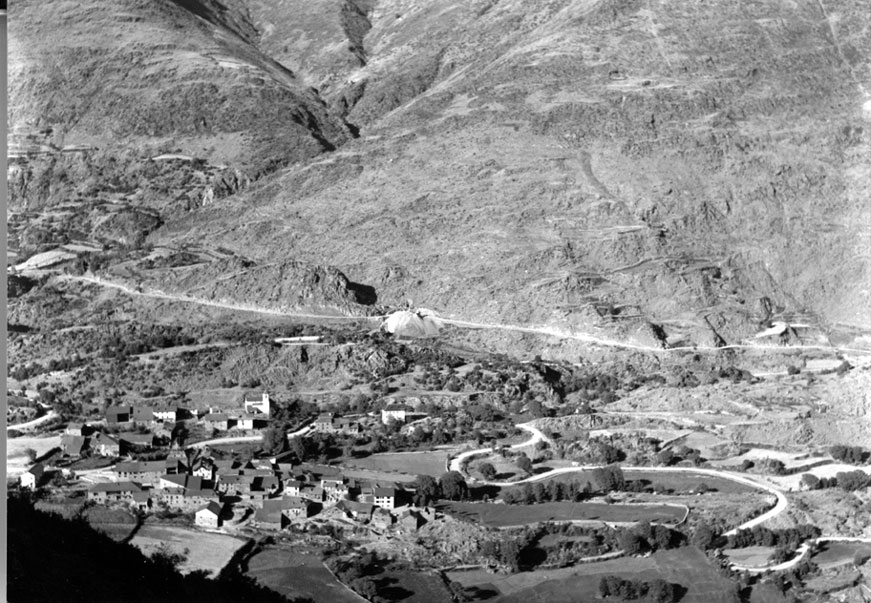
x=395 y=412
x=257 y=405
x=209 y=516
x=32 y=477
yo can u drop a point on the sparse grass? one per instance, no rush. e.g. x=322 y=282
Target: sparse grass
x=687 y=566
x=499 y=515
x=412 y=463
x=413 y=587
x=751 y=556
x=206 y=551
x=832 y=554
x=295 y=574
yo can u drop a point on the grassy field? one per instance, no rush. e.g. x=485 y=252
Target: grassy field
x=117 y=524
x=413 y=587
x=498 y=515
x=679 y=482
x=833 y=554
x=16 y=452
x=412 y=463
x=296 y=574
x=687 y=566
x=206 y=551
x=751 y=556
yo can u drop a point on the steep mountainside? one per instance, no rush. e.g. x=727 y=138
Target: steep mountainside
x=688 y=171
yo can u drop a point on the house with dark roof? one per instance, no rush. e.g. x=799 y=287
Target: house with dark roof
x=410 y=520
x=256 y=403
x=105 y=445
x=143 y=414
x=235 y=485
x=251 y=421
x=186 y=500
x=32 y=477
x=73 y=445
x=277 y=513
x=113 y=492
x=181 y=480
x=359 y=511
x=75 y=429
x=209 y=516
x=136 y=440
x=381 y=519
x=219 y=421
x=118 y=414
x=145 y=472
x=383 y=497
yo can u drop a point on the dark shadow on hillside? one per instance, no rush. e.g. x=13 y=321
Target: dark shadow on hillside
x=387 y=589
x=481 y=593
x=478 y=492
x=364 y=294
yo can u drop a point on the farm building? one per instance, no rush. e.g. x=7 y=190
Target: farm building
x=73 y=445
x=256 y=403
x=105 y=445
x=32 y=477
x=147 y=472
x=209 y=516
x=113 y=492
x=118 y=414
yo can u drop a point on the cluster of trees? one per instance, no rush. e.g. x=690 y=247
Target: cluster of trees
x=575 y=542
x=23 y=372
x=358 y=573
x=622 y=589
x=853 y=480
x=647 y=537
x=668 y=456
x=509 y=551
x=120 y=347
x=846 y=480
x=553 y=491
x=450 y=486
x=812 y=482
x=609 y=478
x=855 y=455
x=760 y=536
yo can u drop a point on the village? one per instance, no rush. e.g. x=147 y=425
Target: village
x=267 y=493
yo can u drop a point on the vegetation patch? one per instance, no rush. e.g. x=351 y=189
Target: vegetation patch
x=202 y=551
x=295 y=574
x=414 y=463
x=698 y=579
x=498 y=515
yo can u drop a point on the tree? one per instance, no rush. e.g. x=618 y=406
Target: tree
x=31 y=454
x=632 y=543
x=810 y=481
x=609 y=478
x=487 y=470
x=428 y=488
x=274 y=440
x=523 y=463
x=453 y=486
x=853 y=480
x=703 y=536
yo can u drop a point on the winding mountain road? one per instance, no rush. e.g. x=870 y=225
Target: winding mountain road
x=459 y=462
x=34 y=423
x=245 y=439
x=551 y=331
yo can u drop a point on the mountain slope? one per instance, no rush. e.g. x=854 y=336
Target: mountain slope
x=658 y=171
x=124 y=81
x=578 y=163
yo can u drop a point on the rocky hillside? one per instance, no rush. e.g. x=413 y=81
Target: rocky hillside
x=686 y=171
